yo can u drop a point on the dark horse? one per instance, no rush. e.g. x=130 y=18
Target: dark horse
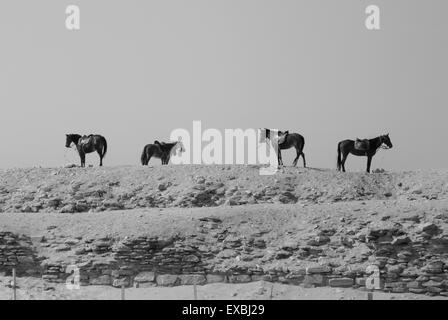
x=371 y=146
x=160 y=150
x=284 y=140
x=87 y=144
x=293 y=140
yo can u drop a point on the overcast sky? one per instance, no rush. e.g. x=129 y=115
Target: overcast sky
x=139 y=69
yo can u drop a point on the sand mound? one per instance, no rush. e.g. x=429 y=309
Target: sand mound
x=104 y=189
x=179 y=225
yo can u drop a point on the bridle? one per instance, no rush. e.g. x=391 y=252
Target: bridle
x=267 y=136
x=382 y=145
x=72 y=143
x=178 y=146
x=285 y=136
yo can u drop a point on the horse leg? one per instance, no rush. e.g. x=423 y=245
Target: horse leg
x=304 y=161
x=82 y=155
x=344 y=158
x=279 y=157
x=101 y=157
x=369 y=162
x=294 y=163
x=280 y=160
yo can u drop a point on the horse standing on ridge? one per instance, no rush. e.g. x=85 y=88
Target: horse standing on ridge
x=161 y=150
x=366 y=147
x=286 y=140
x=87 y=144
x=274 y=138
x=298 y=142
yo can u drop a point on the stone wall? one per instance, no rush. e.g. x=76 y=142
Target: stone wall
x=215 y=255
x=18 y=252
x=418 y=265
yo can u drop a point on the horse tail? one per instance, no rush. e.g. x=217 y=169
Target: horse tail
x=144 y=157
x=104 y=146
x=339 y=162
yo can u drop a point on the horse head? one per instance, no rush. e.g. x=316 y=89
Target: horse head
x=275 y=136
x=282 y=136
x=263 y=134
x=179 y=147
x=71 y=138
x=385 y=139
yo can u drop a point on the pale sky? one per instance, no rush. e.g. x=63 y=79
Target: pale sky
x=139 y=69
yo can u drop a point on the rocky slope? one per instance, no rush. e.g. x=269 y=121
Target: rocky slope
x=69 y=190
x=203 y=225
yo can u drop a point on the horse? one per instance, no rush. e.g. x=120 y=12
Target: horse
x=161 y=150
x=275 y=137
x=298 y=142
x=371 y=146
x=87 y=144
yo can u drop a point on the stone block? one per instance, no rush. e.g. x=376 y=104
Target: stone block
x=360 y=281
x=432 y=283
x=434 y=289
x=167 y=280
x=399 y=290
x=341 y=282
x=295 y=279
x=216 y=278
x=240 y=278
x=145 y=285
x=318 y=269
x=417 y=291
x=104 y=280
x=191 y=279
x=315 y=279
x=414 y=285
x=262 y=277
x=118 y=283
x=146 y=276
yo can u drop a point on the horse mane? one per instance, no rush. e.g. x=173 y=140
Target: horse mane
x=279 y=133
x=170 y=146
x=75 y=136
x=165 y=146
x=173 y=148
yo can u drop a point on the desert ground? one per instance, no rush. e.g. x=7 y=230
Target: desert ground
x=36 y=289
x=72 y=207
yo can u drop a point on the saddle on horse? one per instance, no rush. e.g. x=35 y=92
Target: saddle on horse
x=362 y=144
x=86 y=142
x=164 y=147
